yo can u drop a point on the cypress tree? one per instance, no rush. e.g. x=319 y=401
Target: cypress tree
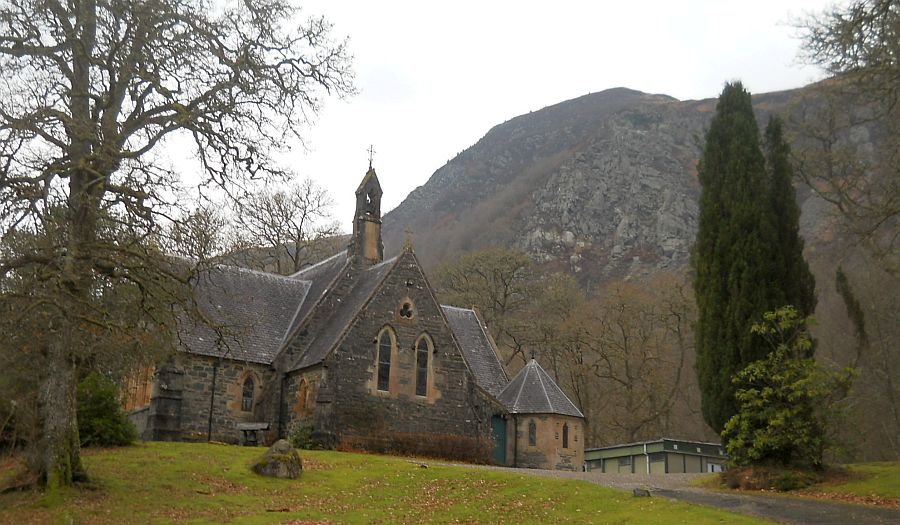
x=793 y=278
x=735 y=256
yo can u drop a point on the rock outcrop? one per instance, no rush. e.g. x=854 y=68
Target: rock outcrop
x=602 y=186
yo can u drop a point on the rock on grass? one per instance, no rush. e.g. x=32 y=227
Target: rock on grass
x=280 y=461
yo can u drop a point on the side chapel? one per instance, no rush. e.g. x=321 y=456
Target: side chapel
x=358 y=348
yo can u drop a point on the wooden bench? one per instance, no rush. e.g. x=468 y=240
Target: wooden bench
x=248 y=432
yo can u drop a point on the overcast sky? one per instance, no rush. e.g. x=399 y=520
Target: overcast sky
x=434 y=77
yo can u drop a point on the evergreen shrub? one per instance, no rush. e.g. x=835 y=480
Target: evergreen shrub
x=785 y=401
x=300 y=435
x=101 y=420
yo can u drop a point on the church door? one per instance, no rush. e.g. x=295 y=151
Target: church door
x=498 y=430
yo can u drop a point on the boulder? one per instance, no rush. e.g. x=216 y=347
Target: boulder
x=280 y=461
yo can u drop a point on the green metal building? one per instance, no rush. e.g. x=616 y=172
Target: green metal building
x=663 y=456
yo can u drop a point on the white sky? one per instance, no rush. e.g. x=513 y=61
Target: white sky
x=434 y=77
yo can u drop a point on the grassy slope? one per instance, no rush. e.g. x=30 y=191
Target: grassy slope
x=861 y=483
x=870 y=479
x=198 y=483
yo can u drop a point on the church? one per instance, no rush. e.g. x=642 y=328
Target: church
x=357 y=349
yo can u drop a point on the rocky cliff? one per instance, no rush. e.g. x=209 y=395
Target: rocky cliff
x=604 y=186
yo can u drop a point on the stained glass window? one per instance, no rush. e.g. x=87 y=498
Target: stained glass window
x=384 y=361
x=422 y=352
x=247 y=398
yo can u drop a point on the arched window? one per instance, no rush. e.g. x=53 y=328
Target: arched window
x=532 y=433
x=247 y=397
x=385 y=345
x=565 y=435
x=302 y=393
x=423 y=354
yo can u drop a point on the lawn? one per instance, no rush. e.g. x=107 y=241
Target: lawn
x=879 y=480
x=861 y=483
x=204 y=483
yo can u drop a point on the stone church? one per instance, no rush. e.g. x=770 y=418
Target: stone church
x=358 y=349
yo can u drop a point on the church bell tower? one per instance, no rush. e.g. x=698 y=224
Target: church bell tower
x=367 y=247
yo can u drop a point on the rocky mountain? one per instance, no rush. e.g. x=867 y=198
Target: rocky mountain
x=604 y=186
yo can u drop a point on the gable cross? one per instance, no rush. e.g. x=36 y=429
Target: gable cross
x=371 y=151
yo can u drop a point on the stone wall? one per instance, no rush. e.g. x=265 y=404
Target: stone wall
x=300 y=398
x=180 y=406
x=164 y=415
x=139 y=419
x=548 y=451
x=349 y=405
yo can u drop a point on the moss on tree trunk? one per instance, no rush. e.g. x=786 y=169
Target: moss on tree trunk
x=58 y=459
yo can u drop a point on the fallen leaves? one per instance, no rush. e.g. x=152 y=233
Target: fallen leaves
x=874 y=500
x=214 y=485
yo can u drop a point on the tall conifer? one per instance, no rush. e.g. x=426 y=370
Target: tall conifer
x=793 y=277
x=735 y=257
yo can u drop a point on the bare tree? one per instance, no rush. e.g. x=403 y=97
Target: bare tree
x=292 y=221
x=624 y=355
x=634 y=357
x=872 y=303
x=501 y=283
x=549 y=325
x=848 y=133
x=860 y=41
x=843 y=117
x=199 y=235
x=91 y=91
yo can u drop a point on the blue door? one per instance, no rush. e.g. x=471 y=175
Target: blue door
x=498 y=431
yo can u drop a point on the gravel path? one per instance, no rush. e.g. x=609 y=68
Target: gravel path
x=784 y=509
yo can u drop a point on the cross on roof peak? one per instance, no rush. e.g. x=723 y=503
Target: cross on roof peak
x=371 y=151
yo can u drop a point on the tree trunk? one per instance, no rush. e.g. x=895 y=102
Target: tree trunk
x=58 y=455
x=57 y=459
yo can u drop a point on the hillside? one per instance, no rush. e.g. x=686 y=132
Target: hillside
x=604 y=187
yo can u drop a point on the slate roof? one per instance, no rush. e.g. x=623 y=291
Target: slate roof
x=319 y=276
x=533 y=391
x=329 y=334
x=249 y=311
x=477 y=349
